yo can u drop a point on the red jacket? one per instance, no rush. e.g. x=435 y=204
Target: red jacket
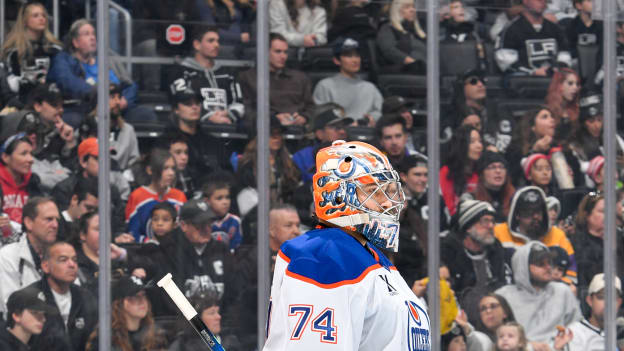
x=448 y=191
x=14 y=196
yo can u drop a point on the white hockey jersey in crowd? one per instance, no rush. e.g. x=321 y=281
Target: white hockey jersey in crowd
x=331 y=293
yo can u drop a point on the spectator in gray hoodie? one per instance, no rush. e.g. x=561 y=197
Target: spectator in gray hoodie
x=539 y=303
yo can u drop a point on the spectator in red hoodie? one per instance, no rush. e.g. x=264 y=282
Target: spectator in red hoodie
x=17 y=182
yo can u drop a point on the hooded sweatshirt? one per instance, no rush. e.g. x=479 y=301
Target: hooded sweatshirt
x=217 y=86
x=538 y=311
x=14 y=195
x=509 y=236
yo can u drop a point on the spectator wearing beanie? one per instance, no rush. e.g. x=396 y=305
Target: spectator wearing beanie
x=595 y=171
x=494 y=183
x=478 y=265
x=538 y=172
x=528 y=220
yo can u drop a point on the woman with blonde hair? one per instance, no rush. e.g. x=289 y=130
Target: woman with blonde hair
x=401 y=42
x=27 y=51
x=132 y=325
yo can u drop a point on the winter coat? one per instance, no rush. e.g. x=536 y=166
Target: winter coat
x=17 y=269
x=81 y=322
x=538 y=311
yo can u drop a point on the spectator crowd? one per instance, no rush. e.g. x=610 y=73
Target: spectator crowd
x=521 y=180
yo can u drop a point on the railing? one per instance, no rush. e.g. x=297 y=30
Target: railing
x=128 y=19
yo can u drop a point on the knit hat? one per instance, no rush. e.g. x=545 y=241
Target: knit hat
x=594 y=167
x=487 y=158
x=528 y=162
x=551 y=202
x=590 y=105
x=471 y=211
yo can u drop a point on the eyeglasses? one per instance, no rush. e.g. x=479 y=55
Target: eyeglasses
x=474 y=80
x=491 y=306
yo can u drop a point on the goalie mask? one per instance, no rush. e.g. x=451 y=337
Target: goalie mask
x=355 y=188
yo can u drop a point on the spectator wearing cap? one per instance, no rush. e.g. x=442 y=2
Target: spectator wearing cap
x=206 y=304
x=399 y=105
x=200 y=262
x=303 y=24
x=26 y=315
x=478 y=266
x=392 y=136
x=494 y=184
x=75 y=308
x=401 y=42
x=161 y=169
x=20 y=262
x=561 y=263
x=589 y=332
x=539 y=303
x=132 y=322
x=42 y=116
x=88 y=167
x=17 y=181
x=290 y=97
x=75 y=72
x=359 y=98
x=329 y=126
x=185 y=119
x=528 y=221
x=221 y=97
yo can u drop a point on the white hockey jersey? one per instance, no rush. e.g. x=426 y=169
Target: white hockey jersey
x=330 y=293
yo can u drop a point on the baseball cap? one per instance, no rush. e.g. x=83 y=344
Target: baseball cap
x=89 y=146
x=530 y=200
x=128 y=285
x=197 y=212
x=561 y=258
x=331 y=117
x=394 y=104
x=345 y=45
x=28 y=298
x=540 y=253
x=49 y=93
x=183 y=92
x=598 y=283
x=114 y=89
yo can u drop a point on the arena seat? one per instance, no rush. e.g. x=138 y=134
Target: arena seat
x=457 y=58
x=528 y=87
x=587 y=64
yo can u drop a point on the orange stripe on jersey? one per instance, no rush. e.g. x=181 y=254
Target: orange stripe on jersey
x=333 y=285
x=283 y=256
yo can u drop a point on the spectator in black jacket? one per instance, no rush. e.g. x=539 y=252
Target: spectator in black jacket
x=478 y=259
x=26 y=316
x=76 y=313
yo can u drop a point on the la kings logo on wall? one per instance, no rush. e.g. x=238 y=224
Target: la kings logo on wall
x=541 y=52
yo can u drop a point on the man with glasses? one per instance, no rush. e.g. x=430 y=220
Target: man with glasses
x=475 y=259
x=329 y=126
x=589 y=333
x=528 y=220
x=75 y=309
x=539 y=303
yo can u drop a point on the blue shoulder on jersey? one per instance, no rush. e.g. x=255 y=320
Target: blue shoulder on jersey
x=330 y=256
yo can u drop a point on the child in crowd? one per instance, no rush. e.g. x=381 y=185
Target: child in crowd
x=510 y=336
x=228 y=226
x=162 y=220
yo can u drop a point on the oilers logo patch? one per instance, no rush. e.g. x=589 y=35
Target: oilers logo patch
x=417 y=333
